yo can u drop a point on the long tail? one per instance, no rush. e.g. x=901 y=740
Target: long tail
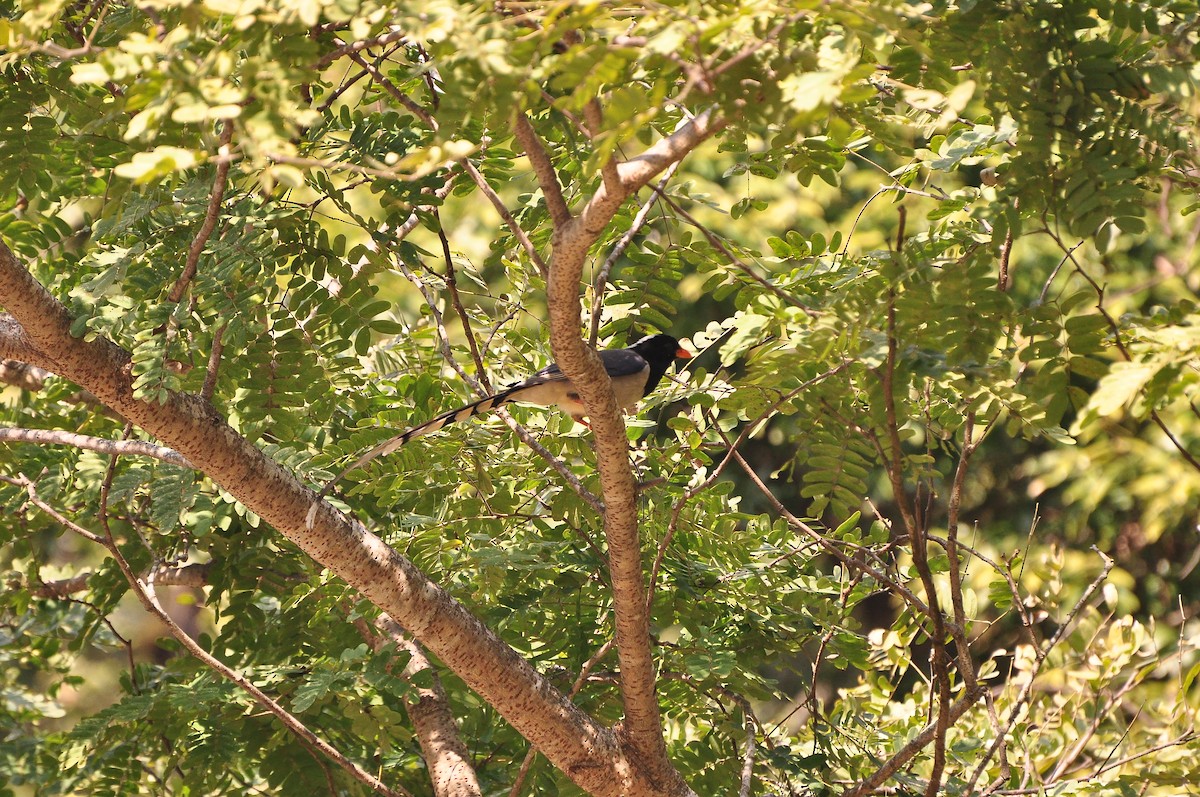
x=429 y=427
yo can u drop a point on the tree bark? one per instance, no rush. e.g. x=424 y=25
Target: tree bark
x=582 y=748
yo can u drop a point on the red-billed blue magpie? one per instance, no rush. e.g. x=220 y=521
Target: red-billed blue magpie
x=634 y=371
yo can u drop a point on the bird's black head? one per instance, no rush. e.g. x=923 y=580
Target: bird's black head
x=659 y=351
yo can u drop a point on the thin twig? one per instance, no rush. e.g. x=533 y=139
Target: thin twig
x=525 y=435
x=190 y=575
x=452 y=286
x=857 y=564
x=747 y=758
x=210 y=217
x=394 y=35
x=214 y=363
x=743 y=266
x=893 y=460
x=144 y=590
x=513 y=225
x=31 y=491
x=1003 y=280
x=391 y=88
x=1116 y=332
x=469 y=168
x=1041 y=653
x=914 y=746
x=600 y=282
x=692 y=492
x=543 y=169
x=580 y=680
x=965 y=665
x=102 y=445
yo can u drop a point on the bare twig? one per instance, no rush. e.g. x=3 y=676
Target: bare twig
x=452 y=286
x=31 y=491
x=1116 y=333
x=595 y=122
x=144 y=591
x=513 y=226
x=214 y=363
x=342 y=166
x=543 y=169
x=210 y=217
x=102 y=445
x=600 y=282
x=1003 y=280
x=747 y=758
x=850 y=561
x=1041 y=652
x=466 y=165
x=965 y=665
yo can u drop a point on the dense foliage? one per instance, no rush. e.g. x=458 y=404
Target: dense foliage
x=926 y=501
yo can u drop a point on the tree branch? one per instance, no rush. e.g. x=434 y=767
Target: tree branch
x=15 y=344
x=543 y=169
x=139 y=448
x=583 y=749
x=573 y=237
x=1040 y=652
x=445 y=754
x=190 y=575
x=22 y=375
x=915 y=745
x=600 y=281
x=1116 y=333
x=210 y=216
x=513 y=226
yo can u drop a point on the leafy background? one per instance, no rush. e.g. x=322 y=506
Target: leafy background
x=838 y=258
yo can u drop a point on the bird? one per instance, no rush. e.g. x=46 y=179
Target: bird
x=635 y=372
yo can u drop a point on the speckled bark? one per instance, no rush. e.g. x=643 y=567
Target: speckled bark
x=641 y=732
x=448 y=759
x=582 y=748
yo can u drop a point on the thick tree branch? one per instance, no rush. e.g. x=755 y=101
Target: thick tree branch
x=22 y=375
x=586 y=751
x=445 y=754
x=573 y=237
